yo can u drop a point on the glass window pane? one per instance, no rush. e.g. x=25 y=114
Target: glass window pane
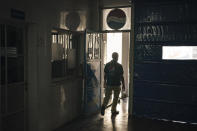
x=2 y=60
x=58 y=68
x=59 y=50
x=90 y=46
x=15 y=69
x=97 y=46
x=15 y=39
x=15 y=56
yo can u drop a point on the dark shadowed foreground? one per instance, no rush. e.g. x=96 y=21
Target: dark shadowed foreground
x=122 y=123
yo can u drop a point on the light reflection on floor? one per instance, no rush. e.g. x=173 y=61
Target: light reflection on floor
x=122 y=123
x=102 y=123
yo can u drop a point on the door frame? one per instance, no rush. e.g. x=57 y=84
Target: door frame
x=131 y=62
x=131 y=52
x=131 y=66
x=131 y=59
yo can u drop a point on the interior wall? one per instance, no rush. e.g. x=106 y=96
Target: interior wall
x=44 y=99
x=52 y=104
x=49 y=105
x=40 y=92
x=5 y=7
x=111 y=3
x=93 y=15
x=68 y=102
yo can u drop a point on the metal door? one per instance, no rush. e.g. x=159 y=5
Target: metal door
x=92 y=68
x=164 y=89
x=12 y=87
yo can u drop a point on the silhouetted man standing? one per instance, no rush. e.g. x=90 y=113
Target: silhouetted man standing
x=112 y=80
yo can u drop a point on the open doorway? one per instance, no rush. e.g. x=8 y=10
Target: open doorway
x=118 y=42
x=114 y=44
x=98 y=51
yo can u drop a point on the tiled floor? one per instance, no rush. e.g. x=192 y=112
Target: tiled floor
x=122 y=123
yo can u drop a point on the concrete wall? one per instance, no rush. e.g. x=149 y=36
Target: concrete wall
x=68 y=102
x=93 y=15
x=49 y=104
x=40 y=91
x=6 y=6
x=111 y=3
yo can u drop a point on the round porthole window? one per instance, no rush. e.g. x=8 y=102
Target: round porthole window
x=116 y=19
x=73 y=20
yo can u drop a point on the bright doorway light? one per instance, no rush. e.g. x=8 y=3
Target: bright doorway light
x=114 y=44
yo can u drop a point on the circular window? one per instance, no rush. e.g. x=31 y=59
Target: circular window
x=116 y=19
x=73 y=20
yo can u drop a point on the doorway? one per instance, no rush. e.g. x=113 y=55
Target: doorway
x=114 y=44
x=118 y=42
x=97 y=52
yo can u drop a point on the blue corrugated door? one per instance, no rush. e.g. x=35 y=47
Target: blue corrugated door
x=164 y=89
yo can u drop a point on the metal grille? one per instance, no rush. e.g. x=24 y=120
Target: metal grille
x=93 y=46
x=63 y=53
x=60 y=44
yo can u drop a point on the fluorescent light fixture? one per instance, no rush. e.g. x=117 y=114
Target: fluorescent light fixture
x=179 y=52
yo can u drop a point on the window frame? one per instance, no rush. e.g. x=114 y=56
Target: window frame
x=64 y=38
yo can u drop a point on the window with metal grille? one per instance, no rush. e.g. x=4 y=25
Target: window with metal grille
x=62 y=52
x=94 y=46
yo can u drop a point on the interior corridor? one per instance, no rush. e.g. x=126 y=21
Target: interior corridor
x=121 y=122
x=53 y=56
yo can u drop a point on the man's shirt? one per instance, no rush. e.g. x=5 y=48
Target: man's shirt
x=113 y=72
